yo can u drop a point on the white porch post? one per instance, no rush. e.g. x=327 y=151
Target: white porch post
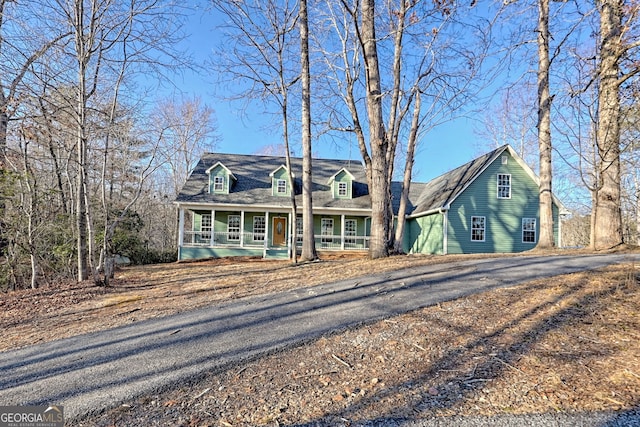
x=213 y=228
x=181 y=227
x=266 y=234
x=241 y=229
x=291 y=233
x=342 y=232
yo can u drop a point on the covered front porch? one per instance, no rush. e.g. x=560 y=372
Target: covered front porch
x=268 y=234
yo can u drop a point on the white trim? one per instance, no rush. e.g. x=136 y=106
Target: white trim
x=181 y=227
x=208 y=171
x=213 y=227
x=274 y=208
x=342 y=228
x=241 y=228
x=333 y=177
x=266 y=234
x=282 y=167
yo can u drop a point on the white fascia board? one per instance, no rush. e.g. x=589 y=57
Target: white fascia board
x=440 y=210
x=270 y=208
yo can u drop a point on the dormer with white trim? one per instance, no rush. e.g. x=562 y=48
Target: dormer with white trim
x=221 y=179
x=280 y=185
x=342 y=184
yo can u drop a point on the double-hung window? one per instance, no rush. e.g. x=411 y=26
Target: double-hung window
x=326 y=230
x=504 y=186
x=299 y=226
x=342 y=189
x=350 y=231
x=259 y=226
x=218 y=184
x=233 y=227
x=281 y=186
x=205 y=226
x=528 y=230
x=478 y=227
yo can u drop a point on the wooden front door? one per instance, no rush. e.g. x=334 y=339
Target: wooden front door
x=279 y=231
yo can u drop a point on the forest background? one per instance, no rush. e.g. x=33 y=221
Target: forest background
x=97 y=138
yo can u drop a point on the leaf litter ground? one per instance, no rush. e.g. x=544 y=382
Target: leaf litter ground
x=570 y=344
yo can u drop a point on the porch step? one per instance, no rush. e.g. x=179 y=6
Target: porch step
x=277 y=254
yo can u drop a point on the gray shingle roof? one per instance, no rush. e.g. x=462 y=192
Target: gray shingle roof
x=439 y=192
x=253 y=185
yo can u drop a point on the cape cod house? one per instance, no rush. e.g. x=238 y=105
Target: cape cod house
x=235 y=205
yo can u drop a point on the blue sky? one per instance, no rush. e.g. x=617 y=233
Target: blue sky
x=442 y=149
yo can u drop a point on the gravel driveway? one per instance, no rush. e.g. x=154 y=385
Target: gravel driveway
x=91 y=372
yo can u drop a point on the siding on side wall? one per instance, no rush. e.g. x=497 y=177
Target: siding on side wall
x=424 y=235
x=503 y=226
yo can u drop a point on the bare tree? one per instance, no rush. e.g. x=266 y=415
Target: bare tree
x=308 y=240
x=20 y=48
x=263 y=56
x=102 y=30
x=546 y=239
x=615 y=50
x=374 y=83
x=186 y=130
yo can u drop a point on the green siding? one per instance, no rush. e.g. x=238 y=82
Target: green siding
x=217 y=252
x=425 y=235
x=503 y=217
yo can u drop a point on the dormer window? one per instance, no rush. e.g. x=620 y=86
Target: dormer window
x=342 y=189
x=282 y=186
x=218 y=184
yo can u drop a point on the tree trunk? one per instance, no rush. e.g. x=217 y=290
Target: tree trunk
x=292 y=183
x=546 y=240
x=308 y=240
x=81 y=144
x=608 y=221
x=378 y=182
x=406 y=181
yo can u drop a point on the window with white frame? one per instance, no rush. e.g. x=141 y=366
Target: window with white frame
x=342 y=189
x=478 y=225
x=218 y=184
x=528 y=230
x=281 y=186
x=299 y=230
x=259 y=227
x=504 y=186
x=233 y=227
x=205 y=226
x=326 y=230
x=350 y=231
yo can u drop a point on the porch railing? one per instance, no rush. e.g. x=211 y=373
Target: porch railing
x=206 y=238
x=323 y=242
